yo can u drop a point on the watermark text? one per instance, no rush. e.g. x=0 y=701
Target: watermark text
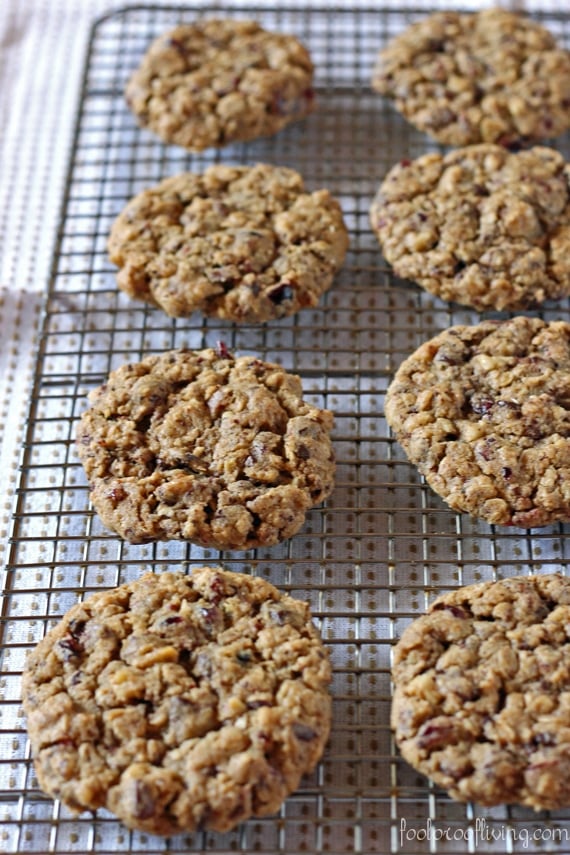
x=480 y=832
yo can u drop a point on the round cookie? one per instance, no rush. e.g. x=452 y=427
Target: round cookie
x=491 y=76
x=219 y=81
x=480 y=226
x=484 y=413
x=205 y=447
x=244 y=243
x=482 y=687
x=180 y=703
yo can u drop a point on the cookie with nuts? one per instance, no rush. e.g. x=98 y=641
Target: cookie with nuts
x=484 y=414
x=480 y=226
x=481 y=687
x=203 y=446
x=489 y=76
x=219 y=81
x=179 y=703
x=248 y=244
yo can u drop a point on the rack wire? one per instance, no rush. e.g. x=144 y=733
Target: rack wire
x=368 y=561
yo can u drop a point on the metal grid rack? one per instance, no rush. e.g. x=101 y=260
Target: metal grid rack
x=368 y=561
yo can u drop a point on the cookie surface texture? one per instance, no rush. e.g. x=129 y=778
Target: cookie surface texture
x=482 y=683
x=483 y=413
x=480 y=226
x=220 y=81
x=244 y=243
x=179 y=702
x=199 y=446
x=491 y=76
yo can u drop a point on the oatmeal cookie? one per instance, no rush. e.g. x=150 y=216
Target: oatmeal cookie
x=484 y=413
x=220 y=81
x=482 y=687
x=180 y=703
x=479 y=226
x=492 y=76
x=201 y=446
x=243 y=243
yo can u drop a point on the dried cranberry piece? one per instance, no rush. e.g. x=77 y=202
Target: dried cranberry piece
x=71 y=646
x=481 y=406
x=211 y=616
x=222 y=350
x=456 y=611
x=450 y=355
x=117 y=494
x=281 y=293
x=71 y=643
x=303 y=732
x=217 y=590
x=436 y=734
x=145 y=806
x=178 y=46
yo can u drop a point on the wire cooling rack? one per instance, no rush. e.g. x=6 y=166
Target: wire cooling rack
x=368 y=561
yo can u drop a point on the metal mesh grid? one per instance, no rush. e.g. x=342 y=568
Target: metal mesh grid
x=368 y=561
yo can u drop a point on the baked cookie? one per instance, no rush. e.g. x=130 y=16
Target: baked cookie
x=490 y=76
x=220 y=81
x=179 y=702
x=479 y=226
x=199 y=446
x=482 y=687
x=484 y=414
x=243 y=243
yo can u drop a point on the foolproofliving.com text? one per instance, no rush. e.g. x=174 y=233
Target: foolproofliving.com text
x=481 y=832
